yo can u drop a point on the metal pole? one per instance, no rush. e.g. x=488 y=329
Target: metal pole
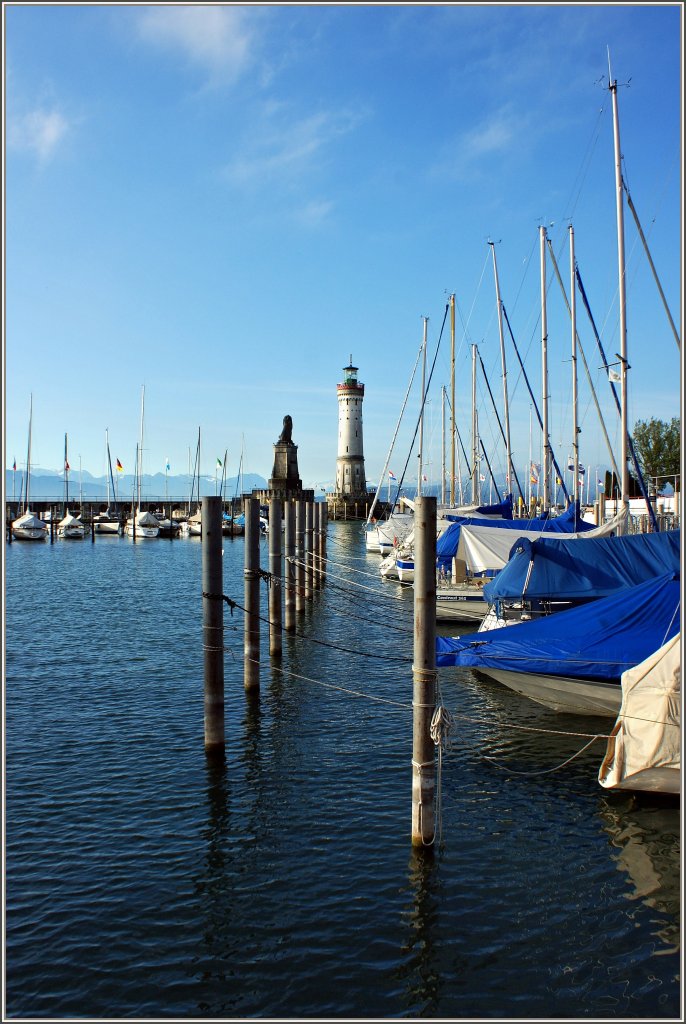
x=575 y=392
x=289 y=538
x=299 y=557
x=322 y=542
x=508 y=445
x=251 y=648
x=213 y=622
x=544 y=377
x=316 y=544
x=424 y=673
x=275 y=574
x=624 y=458
x=452 y=400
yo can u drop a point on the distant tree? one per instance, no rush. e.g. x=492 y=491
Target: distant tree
x=658 y=448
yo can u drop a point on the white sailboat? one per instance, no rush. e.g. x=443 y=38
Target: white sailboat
x=141 y=524
x=28 y=526
x=106 y=523
x=70 y=527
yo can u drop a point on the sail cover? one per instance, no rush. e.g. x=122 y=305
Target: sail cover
x=565 y=569
x=599 y=640
x=644 y=748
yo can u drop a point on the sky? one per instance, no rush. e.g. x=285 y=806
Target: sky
x=222 y=204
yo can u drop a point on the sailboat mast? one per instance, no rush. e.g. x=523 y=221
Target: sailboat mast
x=476 y=483
x=575 y=394
x=66 y=476
x=508 y=446
x=421 y=414
x=622 y=292
x=28 y=458
x=544 y=377
x=108 y=465
x=443 y=445
x=139 y=461
x=452 y=400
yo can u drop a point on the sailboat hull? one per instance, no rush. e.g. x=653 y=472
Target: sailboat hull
x=562 y=693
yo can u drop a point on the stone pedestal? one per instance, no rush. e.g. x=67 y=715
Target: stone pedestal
x=285 y=481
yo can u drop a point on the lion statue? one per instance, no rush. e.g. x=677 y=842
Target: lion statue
x=285 y=435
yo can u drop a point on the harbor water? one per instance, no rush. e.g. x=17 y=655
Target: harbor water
x=144 y=880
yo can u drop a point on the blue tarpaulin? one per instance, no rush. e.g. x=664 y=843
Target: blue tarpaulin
x=599 y=640
x=569 y=521
x=586 y=569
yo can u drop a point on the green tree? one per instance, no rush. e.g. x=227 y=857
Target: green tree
x=658 y=448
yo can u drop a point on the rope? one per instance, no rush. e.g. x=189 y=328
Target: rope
x=545 y=771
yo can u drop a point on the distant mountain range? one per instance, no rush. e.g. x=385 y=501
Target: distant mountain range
x=47 y=484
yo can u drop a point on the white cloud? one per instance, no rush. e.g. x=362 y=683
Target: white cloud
x=38 y=131
x=216 y=38
x=288 y=149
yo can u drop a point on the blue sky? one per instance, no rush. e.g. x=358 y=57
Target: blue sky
x=224 y=203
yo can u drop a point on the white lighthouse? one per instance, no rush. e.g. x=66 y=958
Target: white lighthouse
x=350 y=479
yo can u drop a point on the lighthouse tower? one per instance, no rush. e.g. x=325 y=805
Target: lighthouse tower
x=350 y=479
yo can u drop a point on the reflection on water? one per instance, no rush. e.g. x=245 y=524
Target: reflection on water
x=420 y=970
x=643 y=828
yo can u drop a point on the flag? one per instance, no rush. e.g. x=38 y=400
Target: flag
x=612 y=375
x=582 y=470
x=66 y=466
x=424 y=477
x=120 y=468
x=482 y=478
x=167 y=466
x=14 y=466
x=558 y=481
x=570 y=465
x=219 y=462
x=601 y=485
x=391 y=475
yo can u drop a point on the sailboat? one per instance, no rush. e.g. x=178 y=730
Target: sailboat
x=141 y=524
x=106 y=523
x=70 y=527
x=193 y=525
x=28 y=526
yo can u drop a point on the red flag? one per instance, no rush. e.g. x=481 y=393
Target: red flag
x=66 y=466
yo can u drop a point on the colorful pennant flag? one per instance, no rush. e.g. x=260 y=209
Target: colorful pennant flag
x=167 y=466
x=391 y=475
x=219 y=462
x=66 y=466
x=120 y=468
x=14 y=466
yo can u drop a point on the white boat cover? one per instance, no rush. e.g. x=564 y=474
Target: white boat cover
x=70 y=520
x=483 y=548
x=29 y=522
x=644 y=748
x=147 y=519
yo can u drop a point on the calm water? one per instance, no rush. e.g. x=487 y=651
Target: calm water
x=143 y=880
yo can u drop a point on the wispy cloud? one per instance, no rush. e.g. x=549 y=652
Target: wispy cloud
x=499 y=135
x=38 y=131
x=218 y=39
x=289 y=148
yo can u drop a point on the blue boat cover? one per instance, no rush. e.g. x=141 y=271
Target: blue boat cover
x=599 y=640
x=569 y=521
x=503 y=508
x=573 y=569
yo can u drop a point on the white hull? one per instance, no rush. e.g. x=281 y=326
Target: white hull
x=111 y=527
x=29 y=533
x=71 y=532
x=561 y=693
x=142 y=532
x=460 y=604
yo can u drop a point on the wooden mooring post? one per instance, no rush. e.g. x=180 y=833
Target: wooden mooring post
x=275 y=574
x=213 y=622
x=251 y=647
x=424 y=673
x=289 y=541
x=317 y=545
x=309 y=550
x=299 y=557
